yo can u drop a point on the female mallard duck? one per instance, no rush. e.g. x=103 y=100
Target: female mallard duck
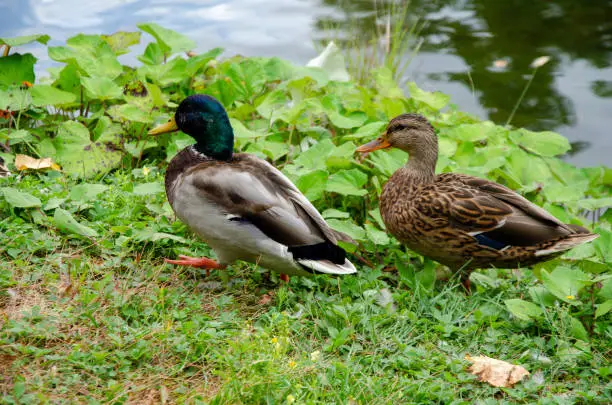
x=243 y=207
x=458 y=220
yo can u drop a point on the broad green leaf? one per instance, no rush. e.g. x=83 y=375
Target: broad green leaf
x=447 y=147
x=388 y=161
x=272 y=105
x=86 y=192
x=102 y=88
x=347 y=182
x=170 y=41
x=346 y=120
x=148 y=188
x=130 y=112
x=313 y=184
x=435 y=100
x=524 y=310
x=23 y=40
x=541 y=296
x=474 y=132
x=592 y=204
x=106 y=130
x=565 y=283
x=243 y=132
x=120 y=41
x=603 y=243
x=576 y=329
x=14 y=99
x=371 y=130
x=386 y=84
x=21 y=135
x=334 y=213
x=43 y=95
x=377 y=236
x=91 y=54
x=247 y=77
x=76 y=153
x=66 y=222
x=606 y=289
x=545 y=143
x=556 y=192
x=17 y=68
x=136 y=148
x=142 y=235
x=167 y=73
x=528 y=170
x=197 y=63
x=314 y=157
x=348 y=227
x=20 y=199
x=153 y=54
x=603 y=308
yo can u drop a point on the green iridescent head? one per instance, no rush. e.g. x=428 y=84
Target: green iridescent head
x=204 y=119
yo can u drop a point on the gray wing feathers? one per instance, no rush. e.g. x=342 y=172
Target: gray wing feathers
x=262 y=195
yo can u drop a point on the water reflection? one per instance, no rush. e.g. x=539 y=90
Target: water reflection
x=517 y=31
x=572 y=93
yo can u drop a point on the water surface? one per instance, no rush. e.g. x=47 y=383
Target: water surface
x=572 y=94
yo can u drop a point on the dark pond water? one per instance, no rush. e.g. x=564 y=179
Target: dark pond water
x=572 y=94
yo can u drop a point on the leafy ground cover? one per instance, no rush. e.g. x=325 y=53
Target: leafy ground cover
x=90 y=313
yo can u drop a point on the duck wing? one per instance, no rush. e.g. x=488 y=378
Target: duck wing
x=497 y=216
x=248 y=189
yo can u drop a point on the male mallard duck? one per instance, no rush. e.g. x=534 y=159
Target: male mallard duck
x=461 y=221
x=243 y=207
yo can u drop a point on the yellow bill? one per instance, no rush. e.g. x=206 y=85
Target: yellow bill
x=169 y=126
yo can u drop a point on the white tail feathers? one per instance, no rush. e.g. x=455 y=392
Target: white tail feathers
x=327 y=267
x=566 y=244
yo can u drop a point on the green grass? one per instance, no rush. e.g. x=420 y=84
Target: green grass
x=90 y=313
x=105 y=320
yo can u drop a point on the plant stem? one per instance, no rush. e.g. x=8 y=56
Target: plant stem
x=520 y=99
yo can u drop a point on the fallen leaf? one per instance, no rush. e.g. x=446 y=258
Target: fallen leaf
x=498 y=373
x=266 y=298
x=23 y=162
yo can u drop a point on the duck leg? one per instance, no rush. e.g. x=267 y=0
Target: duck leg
x=467 y=284
x=199 y=262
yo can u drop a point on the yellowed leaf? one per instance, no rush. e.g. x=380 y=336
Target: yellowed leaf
x=498 y=373
x=23 y=162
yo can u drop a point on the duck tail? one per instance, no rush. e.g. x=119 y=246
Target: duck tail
x=327 y=267
x=568 y=242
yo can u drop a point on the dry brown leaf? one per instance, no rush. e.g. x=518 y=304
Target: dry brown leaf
x=23 y=162
x=498 y=373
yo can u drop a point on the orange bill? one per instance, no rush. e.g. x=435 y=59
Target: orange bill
x=378 y=143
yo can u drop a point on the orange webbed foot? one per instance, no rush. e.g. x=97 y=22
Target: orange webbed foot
x=198 y=262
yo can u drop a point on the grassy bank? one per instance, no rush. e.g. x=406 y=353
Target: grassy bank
x=90 y=313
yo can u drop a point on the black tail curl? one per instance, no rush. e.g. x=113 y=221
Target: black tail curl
x=320 y=251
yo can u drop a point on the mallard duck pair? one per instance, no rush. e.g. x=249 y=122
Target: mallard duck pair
x=246 y=209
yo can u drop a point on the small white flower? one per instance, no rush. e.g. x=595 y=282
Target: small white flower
x=541 y=61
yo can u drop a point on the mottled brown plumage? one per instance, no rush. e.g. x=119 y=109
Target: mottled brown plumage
x=462 y=221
